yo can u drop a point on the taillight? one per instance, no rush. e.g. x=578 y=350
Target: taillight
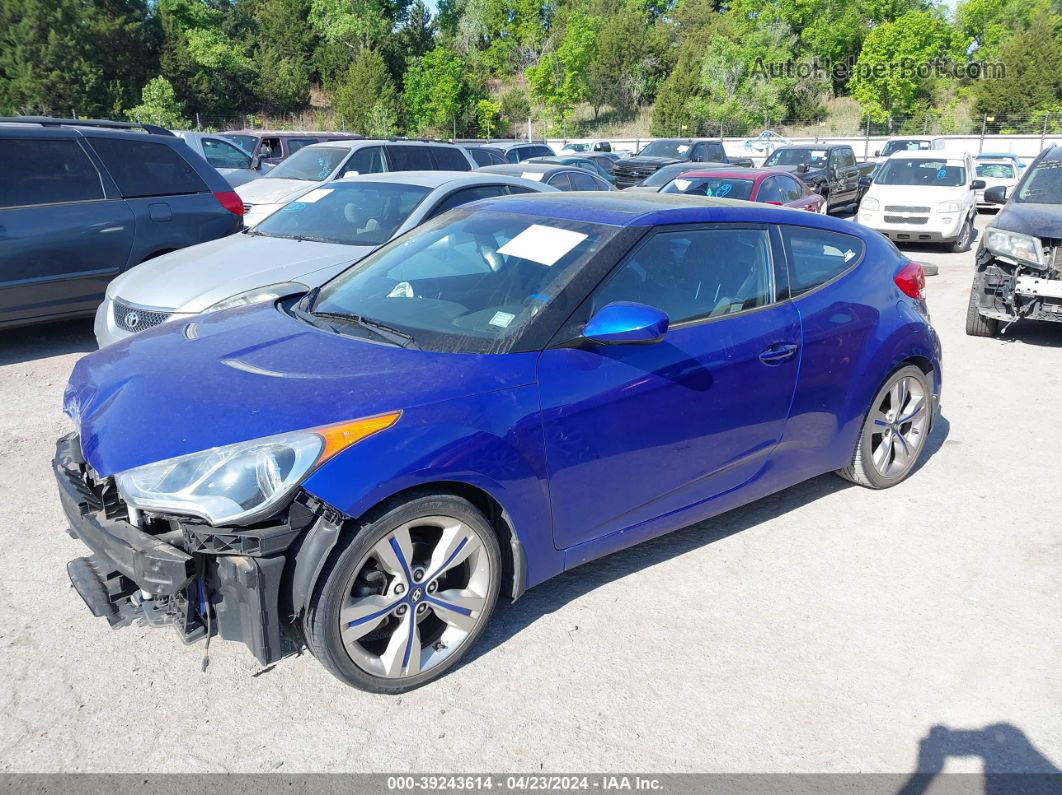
x=230 y=201
x=911 y=280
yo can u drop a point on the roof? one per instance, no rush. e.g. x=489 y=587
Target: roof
x=290 y=133
x=737 y=173
x=350 y=143
x=822 y=145
x=621 y=208
x=527 y=167
x=432 y=179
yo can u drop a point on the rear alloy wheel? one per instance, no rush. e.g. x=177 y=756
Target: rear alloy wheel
x=894 y=432
x=977 y=325
x=408 y=597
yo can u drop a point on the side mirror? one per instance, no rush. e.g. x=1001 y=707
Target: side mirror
x=997 y=194
x=802 y=168
x=877 y=153
x=626 y=323
x=978 y=184
x=864 y=181
x=256 y=163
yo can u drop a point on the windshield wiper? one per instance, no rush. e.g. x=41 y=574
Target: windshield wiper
x=382 y=330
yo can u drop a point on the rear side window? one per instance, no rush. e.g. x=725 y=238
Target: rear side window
x=295 y=144
x=583 y=181
x=409 y=158
x=46 y=172
x=541 y=151
x=449 y=158
x=816 y=256
x=365 y=161
x=560 y=181
x=481 y=156
x=145 y=168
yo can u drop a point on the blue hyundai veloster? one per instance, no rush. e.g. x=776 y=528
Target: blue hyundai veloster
x=514 y=388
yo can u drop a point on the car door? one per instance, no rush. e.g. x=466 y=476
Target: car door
x=635 y=432
x=770 y=191
x=62 y=235
x=367 y=160
x=845 y=173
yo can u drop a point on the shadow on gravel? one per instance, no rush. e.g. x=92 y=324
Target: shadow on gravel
x=1012 y=764
x=1034 y=332
x=46 y=340
x=510 y=619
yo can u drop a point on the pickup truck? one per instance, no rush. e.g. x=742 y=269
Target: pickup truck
x=830 y=170
x=668 y=151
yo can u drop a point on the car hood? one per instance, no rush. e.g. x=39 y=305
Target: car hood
x=811 y=172
x=251 y=372
x=1039 y=220
x=273 y=191
x=195 y=278
x=635 y=162
x=915 y=195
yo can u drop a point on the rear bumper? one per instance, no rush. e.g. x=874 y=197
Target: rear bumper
x=186 y=577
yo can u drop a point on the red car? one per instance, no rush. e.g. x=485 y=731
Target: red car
x=767 y=185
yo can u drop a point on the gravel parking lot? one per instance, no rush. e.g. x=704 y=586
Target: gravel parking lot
x=828 y=628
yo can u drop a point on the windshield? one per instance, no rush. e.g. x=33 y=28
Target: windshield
x=997 y=170
x=467 y=282
x=313 y=164
x=1042 y=185
x=677 y=149
x=577 y=147
x=815 y=158
x=355 y=214
x=664 y=175
x=711 y=186
x=892 y=147
x=911 y=171
x=246 y=142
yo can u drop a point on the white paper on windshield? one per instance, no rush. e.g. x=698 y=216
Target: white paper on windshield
x=542 y=244
x=683 y=148
x=535 y=175
x=314 y=195
x=502 y=319
x=683 y=184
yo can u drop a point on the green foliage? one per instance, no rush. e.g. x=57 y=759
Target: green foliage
x=559 y=80
x=438 y=91
x=1033 y=79
x=488 y=115
x=366 y=100
x=887 y=79
x=159 y=105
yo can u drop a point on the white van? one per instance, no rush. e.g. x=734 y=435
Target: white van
x=923 y=197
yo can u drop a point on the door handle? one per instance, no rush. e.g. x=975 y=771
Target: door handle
x=779 y=352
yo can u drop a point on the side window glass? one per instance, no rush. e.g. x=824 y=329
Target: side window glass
x=145 y=168
x=481 y=156
x=46 y=172
x=816 y=256
x=791 y=190
x=365 y=161
x=270 y=148
x=695 y=274
x=517 y=189
x=457 y=198
x=583 y=181
x=770 y=191
x=715 y=153
x=513 y=155
x=847 y=158
x=449 y=158
x=295 y=144
x=222 y=155
x=699 y=153
x=409 y=158
x=560 y=181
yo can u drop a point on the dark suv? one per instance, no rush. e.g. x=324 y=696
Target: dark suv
x=81 y=201
x=668 y=151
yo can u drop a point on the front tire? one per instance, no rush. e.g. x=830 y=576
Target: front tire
x=961 y=244
x=408 y=596
x=894 y=431
x=977 y=325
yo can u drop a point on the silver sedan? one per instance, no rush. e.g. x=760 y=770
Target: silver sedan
x=302 y=245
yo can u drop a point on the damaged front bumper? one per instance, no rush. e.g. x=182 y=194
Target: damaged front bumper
x=1007 y=291
x=171 y=571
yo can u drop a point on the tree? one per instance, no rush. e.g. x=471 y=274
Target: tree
x=559 y=80
x=487 y=117
x=417 y=36
x=357 y=23
x=515 y=106
x=672 y=114
x=437 y=91
x=366 y=100
x=159 y=105
x=627 y=62
x=887 y=79
x=1032 y=80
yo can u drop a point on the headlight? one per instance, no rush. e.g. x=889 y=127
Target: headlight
x=270 y=292
x=948 y=207
x=226 y=485
x=869 y=203
x=1025 y=248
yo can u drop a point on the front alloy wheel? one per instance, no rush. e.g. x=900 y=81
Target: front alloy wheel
x=894 y=432
x=408 y=597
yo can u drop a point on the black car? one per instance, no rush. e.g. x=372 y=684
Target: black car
x=1019 y=261
x=520 y=151
x=668 y=151
x=561 y=177
x=81 y=201
x=486 y=155
x=830 y=170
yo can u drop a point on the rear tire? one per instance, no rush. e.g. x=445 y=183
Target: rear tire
x=894 y=431
x=977 y=325
x=390 y=583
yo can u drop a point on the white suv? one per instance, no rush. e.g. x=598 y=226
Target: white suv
x=923 y=197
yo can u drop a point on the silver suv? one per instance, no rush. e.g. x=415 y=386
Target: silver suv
x=318 y=164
